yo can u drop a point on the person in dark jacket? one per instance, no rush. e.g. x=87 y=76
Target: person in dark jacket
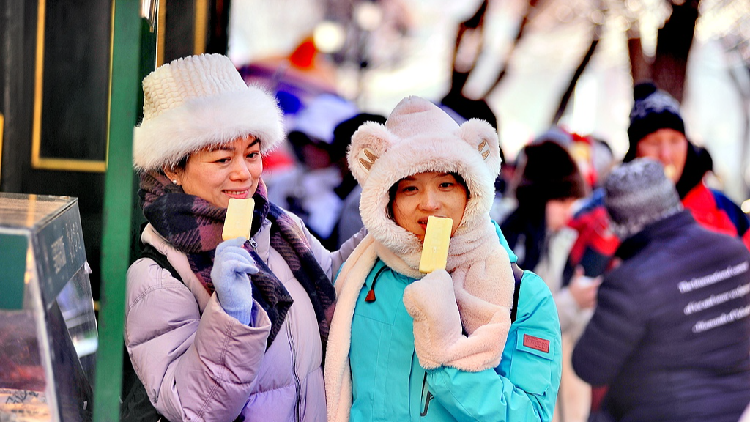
x=349 y=221
x=669 y=334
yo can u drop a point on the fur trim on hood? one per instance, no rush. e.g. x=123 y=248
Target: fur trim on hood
x=197 y=102
x=419 y=137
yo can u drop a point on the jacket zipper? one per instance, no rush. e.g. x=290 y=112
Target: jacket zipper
x=294 y=370
x=426 y=396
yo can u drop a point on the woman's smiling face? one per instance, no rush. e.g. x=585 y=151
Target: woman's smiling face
x=227 y=171
x=430 y=193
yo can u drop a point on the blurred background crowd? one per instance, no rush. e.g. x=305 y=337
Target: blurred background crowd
x=536 y=63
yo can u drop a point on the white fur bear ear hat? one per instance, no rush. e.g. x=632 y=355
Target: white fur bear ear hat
x=197 y=102
x=420 y=137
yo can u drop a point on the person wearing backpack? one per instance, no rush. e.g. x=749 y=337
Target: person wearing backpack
x=224 y=330
x=462 y=343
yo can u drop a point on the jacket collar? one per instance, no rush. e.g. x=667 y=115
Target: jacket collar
x=661 y=229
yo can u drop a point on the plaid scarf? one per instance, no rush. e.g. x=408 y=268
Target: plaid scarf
x=193 y=226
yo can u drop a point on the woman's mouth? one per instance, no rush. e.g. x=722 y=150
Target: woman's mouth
x=423 y=222
x=238 y=194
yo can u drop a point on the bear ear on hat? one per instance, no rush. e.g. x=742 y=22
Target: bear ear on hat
x=369 y=143
x=481 y=136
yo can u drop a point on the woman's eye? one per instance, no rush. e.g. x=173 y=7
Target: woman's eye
x=253 y=155
x=222 y=160
x=407 y=189
x=446 y=185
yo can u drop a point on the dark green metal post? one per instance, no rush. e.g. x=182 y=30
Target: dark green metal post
x=118 y=200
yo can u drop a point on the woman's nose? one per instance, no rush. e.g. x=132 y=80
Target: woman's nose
x=665 y=153
x=240 y=170
x=430 y=201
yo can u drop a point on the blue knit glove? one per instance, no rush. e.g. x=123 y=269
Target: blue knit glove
x=232 y=264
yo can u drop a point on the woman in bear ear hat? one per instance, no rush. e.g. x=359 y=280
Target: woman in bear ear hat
x=222 y=330
x=446 y=345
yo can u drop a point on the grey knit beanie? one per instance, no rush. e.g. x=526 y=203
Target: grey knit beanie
x=638 y=193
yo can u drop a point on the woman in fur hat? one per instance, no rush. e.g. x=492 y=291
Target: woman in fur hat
x=443 y=346
x=222 y=330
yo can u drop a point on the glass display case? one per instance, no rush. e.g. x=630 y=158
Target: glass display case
x=48 y=335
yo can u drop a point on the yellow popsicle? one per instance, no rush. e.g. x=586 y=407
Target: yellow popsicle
x=239 y=218
x=435 y=246
x=670 y=171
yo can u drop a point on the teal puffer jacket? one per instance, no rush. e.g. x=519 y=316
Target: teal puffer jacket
x=388 y=384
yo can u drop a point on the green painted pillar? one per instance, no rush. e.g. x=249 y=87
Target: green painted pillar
x=118 y=205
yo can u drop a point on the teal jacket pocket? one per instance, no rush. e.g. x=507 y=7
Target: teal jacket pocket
x=532 y=364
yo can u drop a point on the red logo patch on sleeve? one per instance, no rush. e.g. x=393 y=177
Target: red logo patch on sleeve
x=536 y=343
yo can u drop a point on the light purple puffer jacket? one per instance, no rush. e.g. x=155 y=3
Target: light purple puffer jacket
x=199 y=364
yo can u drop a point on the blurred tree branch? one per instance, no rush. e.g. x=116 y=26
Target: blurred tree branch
x=520 y=32
x=568 y=94
x=474 y=24
x=668 y=69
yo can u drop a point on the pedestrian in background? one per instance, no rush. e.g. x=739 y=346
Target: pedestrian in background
x=349 y=221
x=669 y=334
x=308 y=190
x=657 y=131
x=546 y=186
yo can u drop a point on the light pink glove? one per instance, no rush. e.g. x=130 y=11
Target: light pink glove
x=438 y=337
x=437 y=323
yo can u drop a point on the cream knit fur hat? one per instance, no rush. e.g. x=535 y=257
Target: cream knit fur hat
x=197 y=102
x=419 y=137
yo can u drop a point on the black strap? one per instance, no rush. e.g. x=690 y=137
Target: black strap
x=517 y=275
x=135 y=405
x=149 y=251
